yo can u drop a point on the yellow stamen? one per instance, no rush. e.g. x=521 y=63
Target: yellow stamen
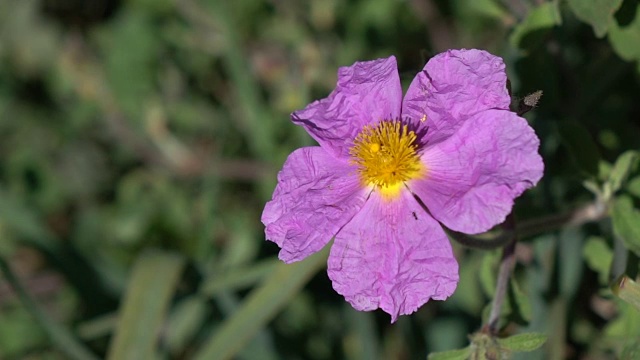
x=386 y=156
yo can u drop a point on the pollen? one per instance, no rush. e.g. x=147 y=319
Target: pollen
x=386 y=155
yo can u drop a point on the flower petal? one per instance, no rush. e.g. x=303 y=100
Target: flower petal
x=453 y=86
x=394 y=256
x=473 y=176
x=366 y=92
x=316 y=195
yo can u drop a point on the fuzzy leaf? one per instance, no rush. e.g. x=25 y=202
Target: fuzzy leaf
x=628 y=290
x=523 y=342
x=458 y=354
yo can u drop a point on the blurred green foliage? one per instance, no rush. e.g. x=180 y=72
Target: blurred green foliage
x=139 y=141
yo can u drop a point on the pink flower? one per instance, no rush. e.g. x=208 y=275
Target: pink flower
x=389 y=170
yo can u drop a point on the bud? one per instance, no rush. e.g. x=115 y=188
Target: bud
x=529 y=102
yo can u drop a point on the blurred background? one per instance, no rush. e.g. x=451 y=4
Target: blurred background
x=140 y=140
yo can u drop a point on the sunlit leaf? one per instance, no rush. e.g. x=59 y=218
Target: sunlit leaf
x=539 y=19
x=625 y=39
x=597 y=13
x=626 y=223
x=621 y=169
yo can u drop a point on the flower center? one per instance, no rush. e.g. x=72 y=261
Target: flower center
x=386 y=155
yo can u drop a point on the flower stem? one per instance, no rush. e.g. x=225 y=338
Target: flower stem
x=591 y=212
x=478 y=243
x=584 y=214
x=507 y=263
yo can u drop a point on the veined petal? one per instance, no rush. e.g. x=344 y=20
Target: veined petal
x=316 y=195
x=366 y=92
x=473 y=177
x=392 y=255
x=453 y=86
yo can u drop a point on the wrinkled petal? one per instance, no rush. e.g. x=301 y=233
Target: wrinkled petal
x=473 y=177
x=392 y=255
x=453 y=86
x=367 y=92
x=316 y=195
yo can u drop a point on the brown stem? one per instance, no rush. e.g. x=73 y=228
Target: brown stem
x=591 y=212
x=582 y=215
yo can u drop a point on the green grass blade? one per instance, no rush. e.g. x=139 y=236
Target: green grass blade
x=60 y=336
x=260 y=307
x=239 y=278
x=153 y=282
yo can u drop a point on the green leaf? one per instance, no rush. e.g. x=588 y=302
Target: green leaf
x=459 y=354
x=153 y=281
x=541 y=18
x=631 y=351
x=628 y=290
x=626 y=324
x=626 y=223
x=633 y=186
x=597 y=13
x=598 y=257
x=519 y=301
x=481 y=8
x=570 y=266
x=488 y=272
x=59 y=335
x=604 y=170
x=625 y=40
x=621 y=169
x=366 y=344
x=261 y=306
x=523 y=342
x=131 y=47
x=581 y=146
